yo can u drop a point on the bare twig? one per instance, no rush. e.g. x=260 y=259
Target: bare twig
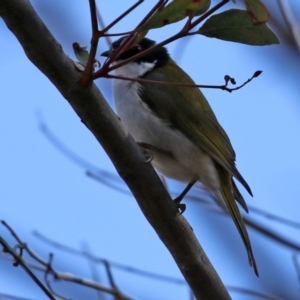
x=104 y=181
x=222 y=87
x=118 y=19
x=129 y=39
x=74 y=279
x=95 y=275
x=260 y=295
x=91 y=284
x=24 y=245
x=20 y=262
x=275 y=218
x=207 y=14
x=158 y=6
x=32 y=265
x=11 y=297
x=86 y=76
x=272 y=235
x=102 y=24
x=297 y=266
x=99 y=287
x=70 y=154
x=109 y=275
x=48 y=270
x=116 y=265
x=184 y=32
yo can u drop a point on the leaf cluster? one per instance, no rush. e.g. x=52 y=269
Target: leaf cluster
x=242 y=26
x=235 y=25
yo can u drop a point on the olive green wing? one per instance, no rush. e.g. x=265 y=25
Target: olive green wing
x=181 y=103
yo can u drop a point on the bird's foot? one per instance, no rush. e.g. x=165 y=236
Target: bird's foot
x=180 y=206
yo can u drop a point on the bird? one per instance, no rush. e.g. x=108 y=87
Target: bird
x=176 y=124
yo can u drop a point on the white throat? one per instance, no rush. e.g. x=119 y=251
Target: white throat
x=134 y=70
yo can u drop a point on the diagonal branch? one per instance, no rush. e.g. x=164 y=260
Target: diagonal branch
x=19 y=261
x=48 y=270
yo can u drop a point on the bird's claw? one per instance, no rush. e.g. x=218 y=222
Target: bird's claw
x=180 y=208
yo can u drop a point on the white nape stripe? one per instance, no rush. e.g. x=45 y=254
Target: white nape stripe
x=134 y=70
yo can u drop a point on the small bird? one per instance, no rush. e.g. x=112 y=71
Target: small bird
x=178 y=127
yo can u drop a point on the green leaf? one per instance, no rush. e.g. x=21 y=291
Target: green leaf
x=140 y=36
x=235 y=25
x=81 y=53
x=176 y=11
x=257 y=11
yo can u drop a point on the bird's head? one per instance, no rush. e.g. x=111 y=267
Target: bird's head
x=155 y=58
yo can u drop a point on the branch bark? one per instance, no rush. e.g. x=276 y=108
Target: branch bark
x=47 y=55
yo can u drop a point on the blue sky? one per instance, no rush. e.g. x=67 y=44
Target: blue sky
x=43 y=190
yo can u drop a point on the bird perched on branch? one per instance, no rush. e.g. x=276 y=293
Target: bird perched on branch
x=178 y=127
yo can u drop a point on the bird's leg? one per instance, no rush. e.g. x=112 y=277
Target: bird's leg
x=180 y=206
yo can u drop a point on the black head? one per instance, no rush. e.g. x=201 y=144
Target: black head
x=159 y=55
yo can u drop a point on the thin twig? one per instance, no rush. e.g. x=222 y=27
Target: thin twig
x=49 y=270
x=85 y=282
x=86 y=75
x=103 y=180
x=297 y=266
x=95 y=275
x=30 y=252
x=221 y=87
x=118 y=19
x=158 y=6
x=274 y=236
x=118 y=33
x=91 y=284
x=72 y=278
x=11 y=297
x=116 y=265
x=59 y=145
x=127 y=41
x=109 y=275
x=208 y=13
x=20 y=262
x=252 y=293
x=184 y=32
x=131 y=37
x=102 y=24
x=273 y=217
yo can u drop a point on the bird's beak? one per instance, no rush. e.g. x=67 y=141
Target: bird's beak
x=106 y=53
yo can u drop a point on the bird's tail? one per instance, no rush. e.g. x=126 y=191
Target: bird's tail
x=227 y=194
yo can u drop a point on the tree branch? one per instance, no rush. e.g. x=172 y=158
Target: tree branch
x=47 y=54
x=19 y=261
